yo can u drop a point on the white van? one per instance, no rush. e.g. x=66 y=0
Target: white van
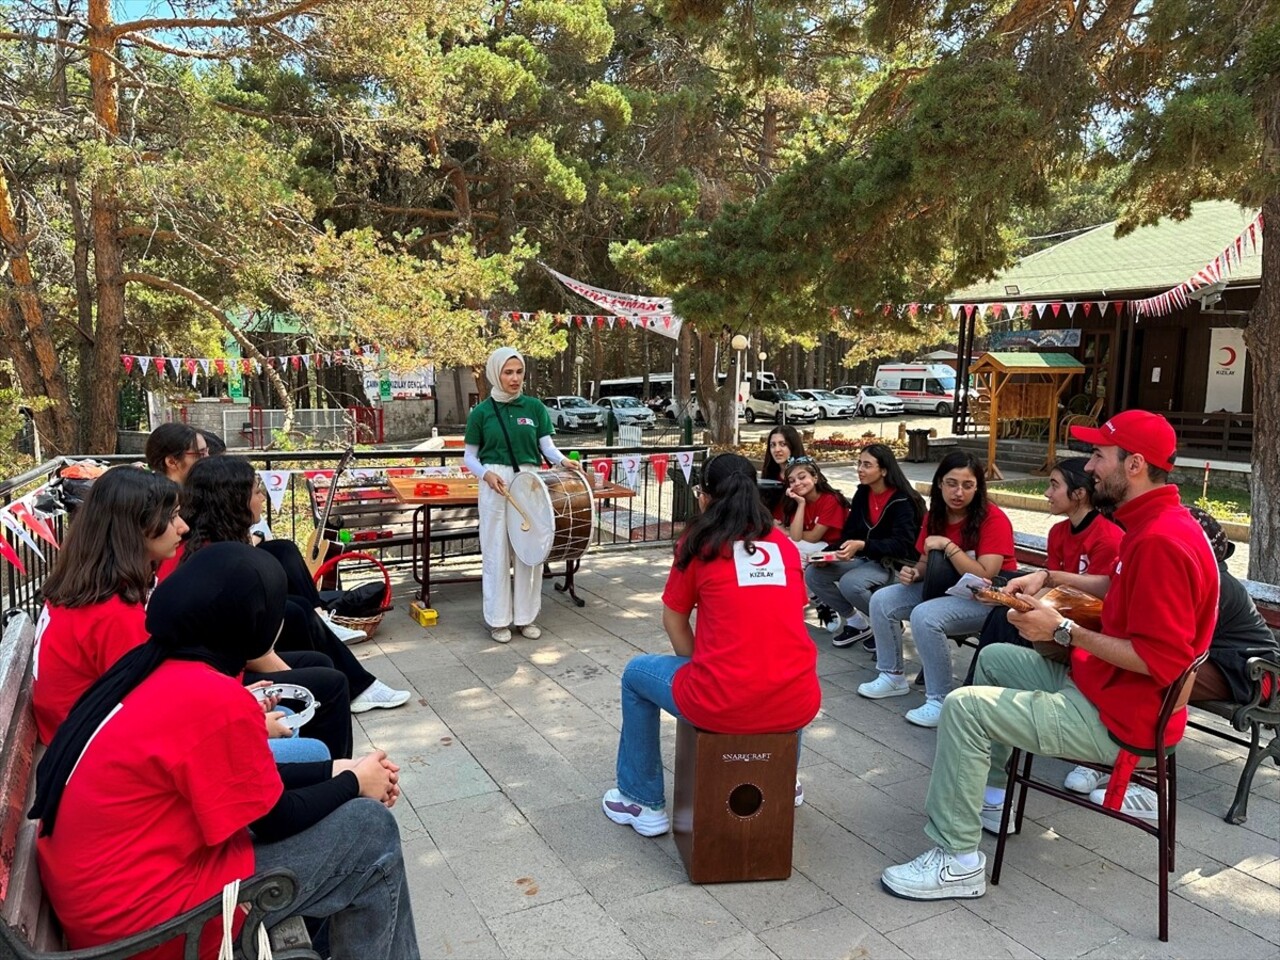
x=929 y=387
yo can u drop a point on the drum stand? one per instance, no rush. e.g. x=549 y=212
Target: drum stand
x=570 y=568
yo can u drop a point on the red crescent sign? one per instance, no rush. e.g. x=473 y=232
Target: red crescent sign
x=764 y=556
x=1231 y=356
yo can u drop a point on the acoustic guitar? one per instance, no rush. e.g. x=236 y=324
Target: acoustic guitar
x=318 y=548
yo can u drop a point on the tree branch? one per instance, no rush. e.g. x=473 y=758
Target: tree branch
x=246 y=345
x=179 y=23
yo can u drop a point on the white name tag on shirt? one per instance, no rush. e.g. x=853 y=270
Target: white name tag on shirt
x=763 y=568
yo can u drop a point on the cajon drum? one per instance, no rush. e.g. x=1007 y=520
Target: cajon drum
x=734 y=810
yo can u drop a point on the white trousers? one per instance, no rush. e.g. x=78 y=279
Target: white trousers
x=498 y=583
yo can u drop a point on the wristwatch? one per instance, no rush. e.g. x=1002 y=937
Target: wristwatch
x=1062 y=634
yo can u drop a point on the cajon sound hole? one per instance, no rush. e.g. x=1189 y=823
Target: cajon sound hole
x=745 y=800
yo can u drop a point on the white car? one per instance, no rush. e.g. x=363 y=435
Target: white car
x=572 y=413
x=780 y=406
x=872 y=401
x=628 y=411
x=830 y=404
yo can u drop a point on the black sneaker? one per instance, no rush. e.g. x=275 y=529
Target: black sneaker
x=869 y=642
x=851 y=635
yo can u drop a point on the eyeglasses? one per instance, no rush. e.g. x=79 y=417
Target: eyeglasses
x=199 y=452
x=868 y=464
x=968 y=486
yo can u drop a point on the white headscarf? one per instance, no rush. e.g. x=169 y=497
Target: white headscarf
x=493 y=373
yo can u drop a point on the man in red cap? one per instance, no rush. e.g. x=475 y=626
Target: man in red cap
x=1159 y=610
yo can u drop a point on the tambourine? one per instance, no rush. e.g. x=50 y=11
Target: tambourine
x=294 y=694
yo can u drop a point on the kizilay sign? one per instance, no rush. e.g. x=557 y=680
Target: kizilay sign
x=388 y=385
x=1227 y=355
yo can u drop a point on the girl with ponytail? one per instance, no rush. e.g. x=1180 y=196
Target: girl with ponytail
x=748 y=666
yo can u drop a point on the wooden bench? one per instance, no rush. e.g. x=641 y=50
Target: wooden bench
x=1257 y=716
x=30 y=930
x=367 y=508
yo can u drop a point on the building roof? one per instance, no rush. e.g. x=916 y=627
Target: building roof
x=1148 y=261
x=1021 y=362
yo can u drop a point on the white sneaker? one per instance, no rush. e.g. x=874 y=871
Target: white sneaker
x=990 y=817
x=1085 y=780
x=927 y=714
x=646 y=821
x=935 y=875
x=884 y=686
x=500 y=634
x=530 y=631
x=799 y=793
x=345 y=634
x=379 y=695
x=1139 y=801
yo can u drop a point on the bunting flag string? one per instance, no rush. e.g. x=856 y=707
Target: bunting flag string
x=208 y=366
x=1215 y=271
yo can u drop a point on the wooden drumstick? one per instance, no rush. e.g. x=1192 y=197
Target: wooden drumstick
x=524 y=517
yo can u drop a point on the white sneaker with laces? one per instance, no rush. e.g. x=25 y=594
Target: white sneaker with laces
x=1085 y=780
x=936 y=875
x=927 y=714
x=500 y=634
x=883 y=686
x=381 y=696
x=345 y=634
x=530 y=631
x=1139 y=801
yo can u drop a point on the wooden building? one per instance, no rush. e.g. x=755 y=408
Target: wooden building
x=1078 y=297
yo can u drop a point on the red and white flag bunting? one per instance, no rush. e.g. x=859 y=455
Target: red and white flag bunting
x=1217 y=269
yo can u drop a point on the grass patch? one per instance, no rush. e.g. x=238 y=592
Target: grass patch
x=1224 y=503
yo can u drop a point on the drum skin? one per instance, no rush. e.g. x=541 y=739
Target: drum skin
x=560 y=509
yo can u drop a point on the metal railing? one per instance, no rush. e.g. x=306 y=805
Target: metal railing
x=656 y=514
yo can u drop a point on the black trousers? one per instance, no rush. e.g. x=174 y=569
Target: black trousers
x=332 y=723
x=303 y=629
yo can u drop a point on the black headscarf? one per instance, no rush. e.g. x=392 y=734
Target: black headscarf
x=223 y=608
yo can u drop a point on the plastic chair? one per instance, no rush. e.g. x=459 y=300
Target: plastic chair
x=1164 y=783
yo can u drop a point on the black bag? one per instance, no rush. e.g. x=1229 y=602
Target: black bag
x=362 y=601
x=939 y=575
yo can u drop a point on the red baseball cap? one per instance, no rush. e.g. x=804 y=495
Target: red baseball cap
x=1138 y=431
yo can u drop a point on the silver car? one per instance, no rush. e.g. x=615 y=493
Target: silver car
x=782 y=406
x=872 y=401
x=831 y=404
x=574 y=413
x=628 y=411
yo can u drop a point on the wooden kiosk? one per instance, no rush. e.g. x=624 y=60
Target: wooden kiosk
x=1022 y=387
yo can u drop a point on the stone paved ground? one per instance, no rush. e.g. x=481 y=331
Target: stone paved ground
x=506 y=751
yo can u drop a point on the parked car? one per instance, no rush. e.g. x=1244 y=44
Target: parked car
x=572 y=413
x=872 y=401
x=831 y=404
x=676 y=412
x=773 y=404
x=627 y=411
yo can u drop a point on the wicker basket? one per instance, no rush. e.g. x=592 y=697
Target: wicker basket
x=369 y=624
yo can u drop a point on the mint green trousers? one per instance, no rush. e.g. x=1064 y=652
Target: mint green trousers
x=1019 y=699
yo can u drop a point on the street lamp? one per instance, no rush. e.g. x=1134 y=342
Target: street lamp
x=739 y=343
x=577 y=362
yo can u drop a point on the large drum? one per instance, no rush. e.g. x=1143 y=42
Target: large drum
x=559 y=508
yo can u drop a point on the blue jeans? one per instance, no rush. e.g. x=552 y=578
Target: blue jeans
x=646 y=690
x=931 y=621
x=295 y=748
x=846 y=586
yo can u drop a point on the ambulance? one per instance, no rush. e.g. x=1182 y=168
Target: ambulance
x=926 y=387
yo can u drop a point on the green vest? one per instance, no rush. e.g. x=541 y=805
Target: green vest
x=526 y=419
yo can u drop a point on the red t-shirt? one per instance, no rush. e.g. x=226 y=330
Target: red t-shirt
x=1163 y=598
x=154 y=818
x=994 y=536
x=1091 y=550
x=826 y=510
x=876 y=502
x=754 y=666
x=74 y=647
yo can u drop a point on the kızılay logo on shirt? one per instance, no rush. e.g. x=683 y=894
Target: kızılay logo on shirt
x=761 y=567
x=524 y=422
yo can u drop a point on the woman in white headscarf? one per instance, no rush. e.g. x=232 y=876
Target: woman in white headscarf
x=507 y=432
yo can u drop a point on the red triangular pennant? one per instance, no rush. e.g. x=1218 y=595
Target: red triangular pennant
x=128 y=362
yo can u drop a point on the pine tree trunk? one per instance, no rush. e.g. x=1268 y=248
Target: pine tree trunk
x=104 y=227
x=1263 y=339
